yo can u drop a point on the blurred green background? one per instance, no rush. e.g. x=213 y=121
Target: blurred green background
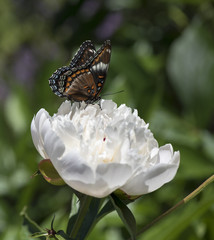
x=163 y=59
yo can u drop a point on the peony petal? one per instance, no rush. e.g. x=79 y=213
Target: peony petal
x=167 y=156
x=65 y=108
x=109 y=177
x=35 y=135
x=116 y=174
x=53 y=145
x=155 y=177
x=108 y=106
x=77 y=174
x=72 y=167
x=36 y=125
x=99 y=190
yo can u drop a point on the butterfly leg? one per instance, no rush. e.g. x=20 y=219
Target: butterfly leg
x=99 y=103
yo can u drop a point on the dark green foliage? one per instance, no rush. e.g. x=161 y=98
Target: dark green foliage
x=163 y=59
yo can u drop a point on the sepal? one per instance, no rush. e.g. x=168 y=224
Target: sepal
x=49 y=173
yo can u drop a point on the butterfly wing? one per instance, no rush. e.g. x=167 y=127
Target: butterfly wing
x=58 y=80
x=100 y=64
x=82 y=88
x=76 y=85
x=85 y=53
x=88 y=85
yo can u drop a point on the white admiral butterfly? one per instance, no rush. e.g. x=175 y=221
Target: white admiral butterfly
x=85 y=76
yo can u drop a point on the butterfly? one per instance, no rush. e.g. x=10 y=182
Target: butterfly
x=85 y=76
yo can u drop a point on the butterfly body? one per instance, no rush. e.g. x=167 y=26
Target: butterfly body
x=85 y=76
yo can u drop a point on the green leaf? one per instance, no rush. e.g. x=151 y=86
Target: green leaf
x=166 y=124
x=14 y=107
x=49 y=173
x=75 y=204
x=109 y=207
x=191 y=70
x=125 y=214
x=207 y=144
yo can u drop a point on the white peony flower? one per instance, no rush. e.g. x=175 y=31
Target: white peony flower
x=97 y=150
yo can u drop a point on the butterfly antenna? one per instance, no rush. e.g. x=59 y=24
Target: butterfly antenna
x=107 y=94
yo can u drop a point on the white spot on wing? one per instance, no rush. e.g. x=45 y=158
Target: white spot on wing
x=100 y=67
x=92 y=50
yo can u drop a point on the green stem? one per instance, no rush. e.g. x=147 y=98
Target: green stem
x=199 y=189
x=183 y=201
x=24 y=213
x=89 y=208
x=81 y=215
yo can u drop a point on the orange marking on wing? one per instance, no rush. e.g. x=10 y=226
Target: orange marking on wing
x=78 y=72
x=69 y=79
x=99 y=84
x=100 y=76
x=85 y=86
x=74 y=75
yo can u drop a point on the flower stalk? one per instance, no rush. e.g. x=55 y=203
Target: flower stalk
x=82 y=213
x=89 y=208
x=182 y=202
x=32 y=222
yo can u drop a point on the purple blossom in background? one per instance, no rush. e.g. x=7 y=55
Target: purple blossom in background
x=110 y=24
x=4 y=90
x=25 y=66
x=48 y=50
x=89 y=8
x=47 y=9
